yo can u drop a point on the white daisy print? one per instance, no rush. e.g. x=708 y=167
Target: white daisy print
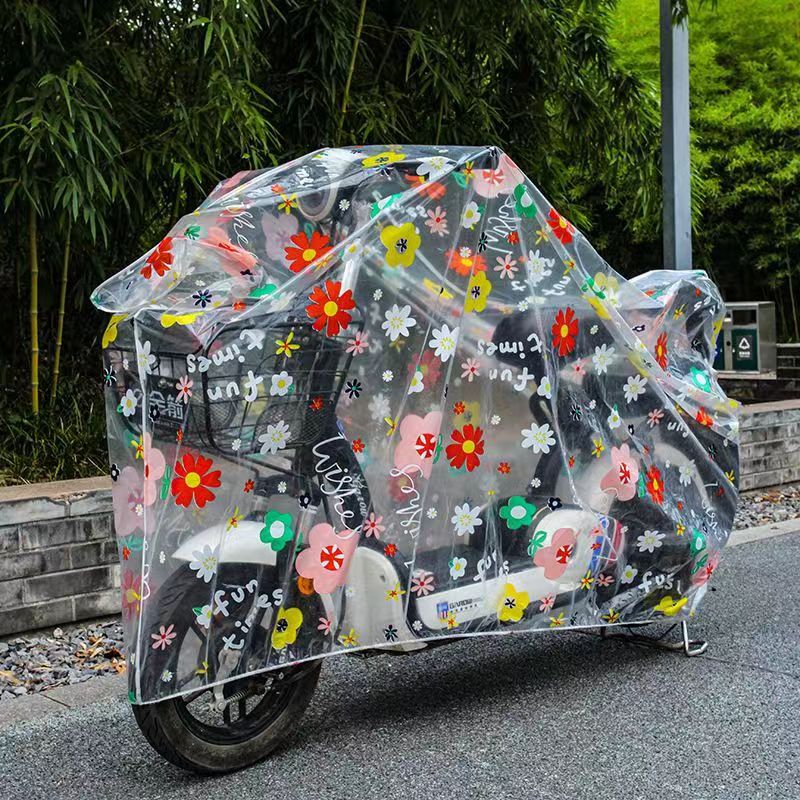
x=398 y=322
x=634 y=387
x=205 y=562
x=614 y=419
x=539 y=267
x=538 y=437
x=387 y=376
x=545 y=389
x=471 y=216
x=276 y=438
x=602 y=358
x=443 y=341
x=466 y=519
x=417 y=383
x=628 y=574
x=458 y=566
x=379 y=406
x=204 y=617
x=281 y=383
x=128 y=403
x=686 y=473
x=649 y=541
x=145 y=358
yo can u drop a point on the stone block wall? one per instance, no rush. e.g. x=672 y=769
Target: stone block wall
x=58 y=554
x=770 y=444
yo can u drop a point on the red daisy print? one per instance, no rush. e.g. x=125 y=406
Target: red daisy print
x=661 y=351
x=358 y=446
x=316 y=404
x=565 y=329
x=329 y=307
x=159 y=260
x=432 y=189
x=704 y=418
x=307 y=250
x=466 y=449
x=193 y=479
x=513 y=238
x=504 y=468
x=655 y=485
x=459 y=408
x=562 y=228
x=249 y=485
x=390 y=550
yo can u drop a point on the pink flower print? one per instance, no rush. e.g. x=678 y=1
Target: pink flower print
x=278 y=232
x=556 y=556
x=372 y=526
x=437 y=221
x=127 y=493
x=327 y=558
x=622 y=478
x=184 y=387
x=418 y=437
x=154 y=466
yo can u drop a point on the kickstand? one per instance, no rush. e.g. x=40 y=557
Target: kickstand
x=690 y=647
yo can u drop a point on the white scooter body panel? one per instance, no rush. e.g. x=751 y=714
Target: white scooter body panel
x=241 y=544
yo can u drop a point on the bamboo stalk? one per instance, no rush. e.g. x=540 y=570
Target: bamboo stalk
x=351 y=70
x=62 y=302
x=33 y=257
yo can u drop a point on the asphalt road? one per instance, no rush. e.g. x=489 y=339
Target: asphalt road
x=557 y=717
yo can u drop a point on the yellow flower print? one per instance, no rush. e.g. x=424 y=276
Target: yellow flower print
x=401 y=243
x=168 y=320
x=557 y=622
x=112 y=330
x=349 y=639
x=602 y=292
x=395 y=593
x=669 y=608
x=478 y=292
x=598 y=448
x=382 y=159
x=286 y=346
x=286 y=626
x=512 y=604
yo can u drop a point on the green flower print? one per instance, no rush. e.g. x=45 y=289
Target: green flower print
x=700 y=379
x=517 y=513
x=277 y=531
x=523 y=202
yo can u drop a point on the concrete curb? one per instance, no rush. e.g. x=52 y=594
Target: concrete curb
x=114 y=687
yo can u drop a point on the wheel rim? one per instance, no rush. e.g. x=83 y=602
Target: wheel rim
x=251 y=705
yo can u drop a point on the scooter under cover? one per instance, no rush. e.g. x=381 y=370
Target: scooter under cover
x=382 y=396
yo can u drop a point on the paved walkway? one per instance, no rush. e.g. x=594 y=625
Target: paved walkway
x=561 y=717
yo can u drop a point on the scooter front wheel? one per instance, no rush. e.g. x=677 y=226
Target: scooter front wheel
x=209 y=736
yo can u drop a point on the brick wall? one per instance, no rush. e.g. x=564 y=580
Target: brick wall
x=58 y=556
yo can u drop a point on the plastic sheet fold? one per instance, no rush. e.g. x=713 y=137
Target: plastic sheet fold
x=380 y=396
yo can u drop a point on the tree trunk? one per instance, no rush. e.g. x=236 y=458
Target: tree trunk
x=62 y=302
x=33 y=257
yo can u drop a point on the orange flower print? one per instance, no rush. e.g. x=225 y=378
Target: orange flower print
x=565 y=329
x=655 y=485
x=329 y=307
x=661 y=351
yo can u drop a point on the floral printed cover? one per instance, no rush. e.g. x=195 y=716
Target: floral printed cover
x=384 y=395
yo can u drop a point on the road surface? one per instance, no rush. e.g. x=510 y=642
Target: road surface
x=558 y=717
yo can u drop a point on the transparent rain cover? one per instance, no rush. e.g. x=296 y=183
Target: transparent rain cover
x=380 y=396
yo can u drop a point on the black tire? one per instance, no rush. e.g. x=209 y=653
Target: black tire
x=165 y=727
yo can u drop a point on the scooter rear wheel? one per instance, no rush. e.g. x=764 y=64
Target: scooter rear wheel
x=189 y=737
